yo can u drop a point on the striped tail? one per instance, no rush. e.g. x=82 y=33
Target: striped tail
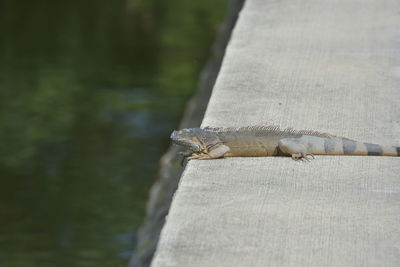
x=379 y=150
x=344 y=146
x=351 y=147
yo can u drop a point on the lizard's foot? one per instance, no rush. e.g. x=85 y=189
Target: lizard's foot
x=196 y=156
x=302 y=156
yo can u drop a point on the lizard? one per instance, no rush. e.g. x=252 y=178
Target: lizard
x=263 y=141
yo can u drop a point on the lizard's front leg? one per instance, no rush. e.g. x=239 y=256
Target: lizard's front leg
x=188 y=155
x=215 y=152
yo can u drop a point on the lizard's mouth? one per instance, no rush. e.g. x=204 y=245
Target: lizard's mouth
x=192 y=147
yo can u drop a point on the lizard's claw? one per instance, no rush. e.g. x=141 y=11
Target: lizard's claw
x=184 y=160
x=302 y=156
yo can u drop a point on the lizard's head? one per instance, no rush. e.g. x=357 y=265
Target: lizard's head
x=188 y=138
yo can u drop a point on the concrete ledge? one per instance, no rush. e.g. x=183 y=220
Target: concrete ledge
x=331 y=66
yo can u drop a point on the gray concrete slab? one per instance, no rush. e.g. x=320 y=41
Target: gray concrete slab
x=332 y=66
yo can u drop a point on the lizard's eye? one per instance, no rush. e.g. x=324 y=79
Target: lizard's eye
x=196 y=148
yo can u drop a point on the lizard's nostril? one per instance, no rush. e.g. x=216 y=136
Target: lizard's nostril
x=174 y=134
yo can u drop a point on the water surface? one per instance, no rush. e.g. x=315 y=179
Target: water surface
x=89 y=93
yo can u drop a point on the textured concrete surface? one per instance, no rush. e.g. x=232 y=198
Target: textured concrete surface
x=331 y=66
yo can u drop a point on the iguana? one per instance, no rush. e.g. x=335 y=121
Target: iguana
x=262 y=141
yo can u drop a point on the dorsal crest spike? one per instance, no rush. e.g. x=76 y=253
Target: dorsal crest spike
x=271 y=128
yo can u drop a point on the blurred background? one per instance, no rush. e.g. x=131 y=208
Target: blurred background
x=89 y=93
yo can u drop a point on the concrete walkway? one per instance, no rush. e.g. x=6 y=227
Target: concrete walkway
x=332 y=66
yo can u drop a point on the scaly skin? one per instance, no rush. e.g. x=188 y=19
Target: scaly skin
x=263 y=141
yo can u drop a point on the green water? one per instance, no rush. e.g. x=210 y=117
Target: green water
x=89 y=93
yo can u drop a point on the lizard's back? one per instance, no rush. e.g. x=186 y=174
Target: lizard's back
x=271 y=141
